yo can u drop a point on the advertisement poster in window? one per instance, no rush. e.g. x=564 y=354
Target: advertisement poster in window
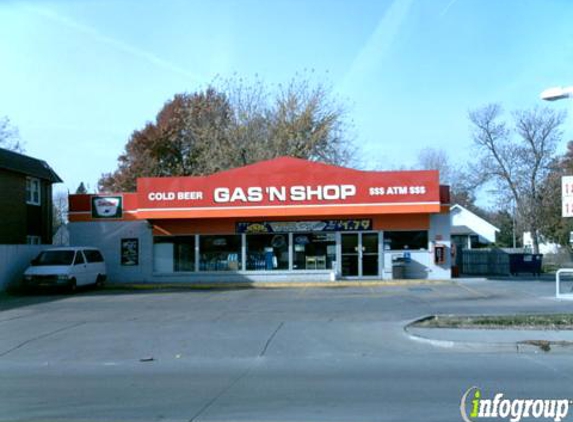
x=129 y=252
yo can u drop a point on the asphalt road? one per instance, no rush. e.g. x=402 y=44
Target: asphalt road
x=262 y=355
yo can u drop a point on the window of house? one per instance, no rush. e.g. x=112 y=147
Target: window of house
x=33 y=196
x=220 y=253
x=314 y=251
x=399 y=240
x=33 y=240
x=267 y=252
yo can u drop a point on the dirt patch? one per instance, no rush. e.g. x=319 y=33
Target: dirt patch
x=546 y=345
x=514 y=322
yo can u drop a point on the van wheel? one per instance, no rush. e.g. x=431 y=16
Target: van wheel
x=100 y=281
x=73 y=287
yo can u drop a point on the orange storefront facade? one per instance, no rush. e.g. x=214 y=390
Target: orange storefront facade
x=283 y=219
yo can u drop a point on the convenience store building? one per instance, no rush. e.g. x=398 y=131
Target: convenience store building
x=282 y=220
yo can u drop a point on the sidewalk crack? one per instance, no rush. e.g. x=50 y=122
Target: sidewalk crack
x=221 y=394
x=224 y=391
x=270 y=339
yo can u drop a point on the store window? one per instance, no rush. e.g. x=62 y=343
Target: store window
x=174 y=254
x=32 y=191
x=266 y=252
x=314 y=251
x=220 y=253
x=413 y=240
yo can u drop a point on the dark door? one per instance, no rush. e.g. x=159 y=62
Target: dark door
x=350 y=255
x=369 y=254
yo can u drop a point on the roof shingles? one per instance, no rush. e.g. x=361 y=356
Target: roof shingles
x=19 y=163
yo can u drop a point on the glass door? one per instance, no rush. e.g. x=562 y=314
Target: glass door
x=350 y=255
x=369 y=254
x=359 y=254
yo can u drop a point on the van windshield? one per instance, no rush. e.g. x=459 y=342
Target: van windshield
x=54 y=258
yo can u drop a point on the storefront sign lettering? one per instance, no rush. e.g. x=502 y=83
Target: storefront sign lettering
x=282 y=194
x=175 y=196
x=255 y=194
x=397 y=190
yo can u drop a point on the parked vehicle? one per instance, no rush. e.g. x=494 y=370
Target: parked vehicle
x=71 y=267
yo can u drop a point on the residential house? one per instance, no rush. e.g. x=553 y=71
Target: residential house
x=25 y=199
x=469 y=231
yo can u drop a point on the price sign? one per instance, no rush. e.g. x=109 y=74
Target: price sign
x=304 y=226
x=567 y=196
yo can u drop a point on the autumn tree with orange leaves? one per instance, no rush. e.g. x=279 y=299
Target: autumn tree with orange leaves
x=222 y=128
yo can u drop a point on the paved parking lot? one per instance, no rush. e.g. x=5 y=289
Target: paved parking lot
x=260 y=354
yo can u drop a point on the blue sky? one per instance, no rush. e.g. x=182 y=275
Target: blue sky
x=77 y=77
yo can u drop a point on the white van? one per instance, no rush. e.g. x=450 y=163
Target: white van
x=72 y=267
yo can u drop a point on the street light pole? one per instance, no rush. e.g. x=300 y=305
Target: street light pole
x=553 y=94
x=513 y=223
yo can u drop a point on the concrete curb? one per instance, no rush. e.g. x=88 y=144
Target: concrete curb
x=271 y=285
x=522 y=346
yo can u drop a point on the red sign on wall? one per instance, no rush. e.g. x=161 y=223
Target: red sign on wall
x=288 y=183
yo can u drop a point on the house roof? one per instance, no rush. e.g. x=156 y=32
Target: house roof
x=474 y=215
x=20 y=163
x=461 y=230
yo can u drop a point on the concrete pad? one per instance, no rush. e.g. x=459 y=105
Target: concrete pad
x=495 y=340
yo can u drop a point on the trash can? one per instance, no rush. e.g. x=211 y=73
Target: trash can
x=525 y=263
x=398 y=271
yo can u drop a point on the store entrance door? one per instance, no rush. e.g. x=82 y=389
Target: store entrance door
x=359 y=254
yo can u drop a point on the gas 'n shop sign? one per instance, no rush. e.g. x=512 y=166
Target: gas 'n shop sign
x=284 y=184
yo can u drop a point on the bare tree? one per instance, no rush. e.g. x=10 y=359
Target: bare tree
x=299 y=119
x=60 y=218
x=9 y=136
x=462 y=186
x=436 y=159
x=306 y=122
x=517 y=158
